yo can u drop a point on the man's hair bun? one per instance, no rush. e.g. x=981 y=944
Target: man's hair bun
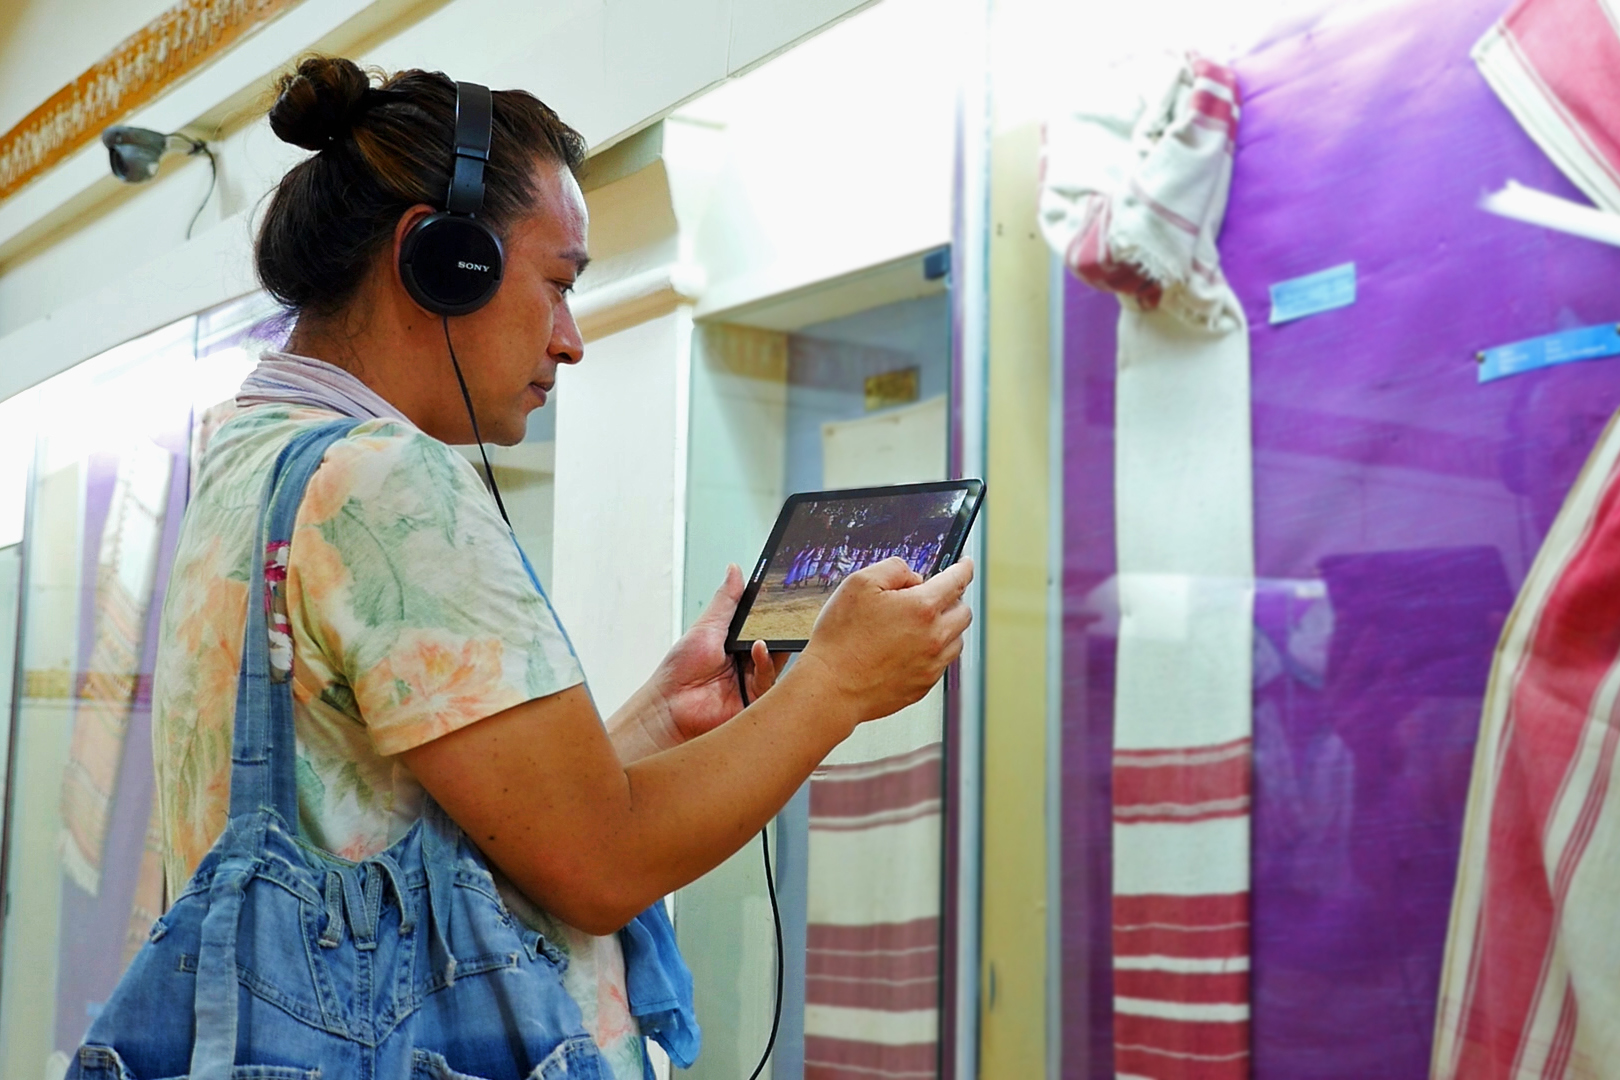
x=390 y=146
x=317 y=104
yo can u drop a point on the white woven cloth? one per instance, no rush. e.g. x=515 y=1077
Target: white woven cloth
x=1134 y=189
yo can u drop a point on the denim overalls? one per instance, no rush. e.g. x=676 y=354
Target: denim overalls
x=279 y=960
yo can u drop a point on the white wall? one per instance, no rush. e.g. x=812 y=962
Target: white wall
x=738 y=453
x=608 y=66
x=620 y=502
x=838 y=156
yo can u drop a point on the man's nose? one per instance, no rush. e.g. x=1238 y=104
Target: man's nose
x=567 y=344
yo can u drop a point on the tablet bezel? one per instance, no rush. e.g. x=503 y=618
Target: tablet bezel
x=949 y=552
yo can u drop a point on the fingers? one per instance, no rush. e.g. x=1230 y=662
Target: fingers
x=955 y=620
x=762 y=674
x=891 y=573
x=947 y=586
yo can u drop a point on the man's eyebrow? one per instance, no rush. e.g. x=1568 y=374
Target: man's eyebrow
x=578 y=257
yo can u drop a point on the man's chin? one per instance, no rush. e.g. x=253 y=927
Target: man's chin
x=511 y=429
x=505 y=437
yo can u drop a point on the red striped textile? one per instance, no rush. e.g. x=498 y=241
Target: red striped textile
x=886 y=966
x=1181 y=959
x=1553 y=64
x=834 y=1059
x=1530 y=985
x=1183 y=784
x=1532 y=976
x=1091 y=260
x=873 y=945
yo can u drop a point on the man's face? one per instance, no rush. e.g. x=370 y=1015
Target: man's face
x=511 y=348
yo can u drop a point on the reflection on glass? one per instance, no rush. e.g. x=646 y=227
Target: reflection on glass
x=84 y=882
x=10 y=597
x=853 y=401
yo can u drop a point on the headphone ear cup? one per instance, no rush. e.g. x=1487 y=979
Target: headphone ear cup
x=451 y=264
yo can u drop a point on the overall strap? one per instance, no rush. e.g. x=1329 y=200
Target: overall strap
x=263 y=758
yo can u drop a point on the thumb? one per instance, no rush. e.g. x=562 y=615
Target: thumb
x=724 y=603
x=891 y=573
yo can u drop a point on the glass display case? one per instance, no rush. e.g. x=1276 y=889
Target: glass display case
x=788 y=399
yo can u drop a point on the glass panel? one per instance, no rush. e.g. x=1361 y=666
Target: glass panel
x=16 y=460
x=83 y=880
x=10 y=594
x=1399 y=503
x=17 y=419
x=858 y=399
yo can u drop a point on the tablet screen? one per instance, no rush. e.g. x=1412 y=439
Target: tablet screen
x=827 y=538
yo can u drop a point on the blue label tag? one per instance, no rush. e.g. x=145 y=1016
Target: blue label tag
x=1313 y=294
x=1587 y=343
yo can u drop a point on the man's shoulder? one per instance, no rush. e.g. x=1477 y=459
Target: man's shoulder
x=388 y=453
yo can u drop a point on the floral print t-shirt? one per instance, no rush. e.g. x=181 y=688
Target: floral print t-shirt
x=411 y=616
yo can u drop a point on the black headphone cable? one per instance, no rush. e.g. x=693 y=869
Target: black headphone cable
x=467 y=398
x=776 y=911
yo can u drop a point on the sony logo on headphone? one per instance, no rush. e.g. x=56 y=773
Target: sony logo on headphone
x=472 y=266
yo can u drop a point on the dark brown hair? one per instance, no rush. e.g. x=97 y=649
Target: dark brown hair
x=380 y=149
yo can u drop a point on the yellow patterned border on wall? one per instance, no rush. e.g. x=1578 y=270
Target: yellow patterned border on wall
x=157 y=55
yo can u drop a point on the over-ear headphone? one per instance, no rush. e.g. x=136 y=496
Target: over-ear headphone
x=451 y=262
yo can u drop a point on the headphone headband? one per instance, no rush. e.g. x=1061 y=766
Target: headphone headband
x=475 y=108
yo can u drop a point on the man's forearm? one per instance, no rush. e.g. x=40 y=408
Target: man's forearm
x=642 y=727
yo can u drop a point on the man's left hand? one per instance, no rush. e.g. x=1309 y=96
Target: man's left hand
x=695 y=687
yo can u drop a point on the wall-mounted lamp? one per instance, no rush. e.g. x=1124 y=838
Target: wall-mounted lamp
x=134 y=154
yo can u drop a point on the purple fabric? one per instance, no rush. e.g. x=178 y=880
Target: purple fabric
x=1089 y=638
x=1398 y=503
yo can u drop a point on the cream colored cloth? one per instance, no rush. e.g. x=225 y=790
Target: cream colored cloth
x=1134 y=189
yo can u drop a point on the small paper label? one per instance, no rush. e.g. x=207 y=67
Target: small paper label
x=1313 y=294
x=1587 y=343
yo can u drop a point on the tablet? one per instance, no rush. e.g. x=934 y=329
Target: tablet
x=821 y=537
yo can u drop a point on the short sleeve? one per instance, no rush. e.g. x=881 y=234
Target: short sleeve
x=410 y=605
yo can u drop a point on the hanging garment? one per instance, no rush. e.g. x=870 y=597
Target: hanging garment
x=873 y=936
x=1531 y=985
x=1556 y=66
x=1134 y=193
x=260 y=956
x=1183 y=701
x=1134 y=190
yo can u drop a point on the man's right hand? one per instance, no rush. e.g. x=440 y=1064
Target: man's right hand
x=886 y=636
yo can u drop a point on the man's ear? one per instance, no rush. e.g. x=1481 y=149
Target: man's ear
x=407 y=221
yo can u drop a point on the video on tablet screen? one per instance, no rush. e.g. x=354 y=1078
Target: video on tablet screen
x=827 y=540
